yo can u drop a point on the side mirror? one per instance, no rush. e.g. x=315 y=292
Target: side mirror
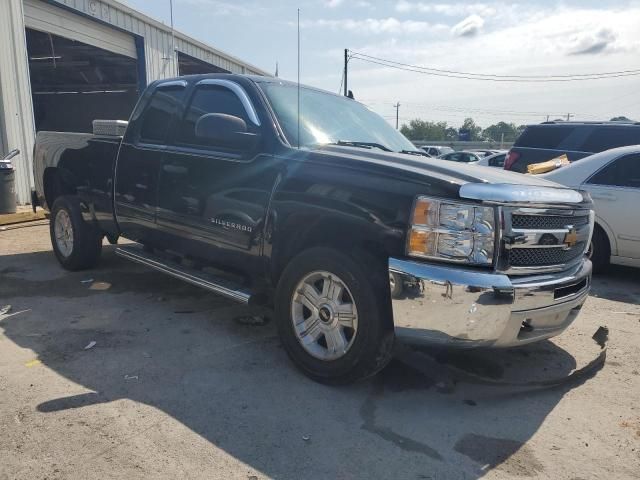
x=11 y=154
x=220 y=129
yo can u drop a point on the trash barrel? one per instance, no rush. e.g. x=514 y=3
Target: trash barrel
x=7 y=188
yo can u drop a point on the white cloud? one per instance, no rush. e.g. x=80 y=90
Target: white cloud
x=333 y=3
x=388 y=25
x=468 y=27
x=449 y=9
x=601 y=41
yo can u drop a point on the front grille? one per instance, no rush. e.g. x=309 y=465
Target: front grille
x=547 y=222
x=542 y=239
x=539 y=257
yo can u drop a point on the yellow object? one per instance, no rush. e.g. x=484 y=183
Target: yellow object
x=33 y=363
x=549 y=165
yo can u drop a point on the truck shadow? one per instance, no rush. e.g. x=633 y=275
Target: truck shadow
x=429 y=414
x=617 y=283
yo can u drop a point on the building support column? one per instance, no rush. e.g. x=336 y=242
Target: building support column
x=16 y=107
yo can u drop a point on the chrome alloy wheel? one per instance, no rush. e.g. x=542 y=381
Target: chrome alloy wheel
x=64 y=233
x=324 y=315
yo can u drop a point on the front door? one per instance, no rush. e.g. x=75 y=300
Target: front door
x=213 y=198
x=616 y=194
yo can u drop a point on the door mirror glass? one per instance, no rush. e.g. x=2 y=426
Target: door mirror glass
x=223 y=130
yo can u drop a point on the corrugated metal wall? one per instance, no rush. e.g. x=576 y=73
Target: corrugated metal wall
x=157 y=39
x=15 y=95
x=17 y=126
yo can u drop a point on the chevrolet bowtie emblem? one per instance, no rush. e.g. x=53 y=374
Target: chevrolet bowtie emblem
x=571 y=238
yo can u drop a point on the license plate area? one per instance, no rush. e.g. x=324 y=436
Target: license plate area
x=570 y=290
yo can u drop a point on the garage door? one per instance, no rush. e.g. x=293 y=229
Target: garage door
x=42 y=16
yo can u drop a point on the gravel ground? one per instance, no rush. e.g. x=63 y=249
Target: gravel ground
x=176 y=386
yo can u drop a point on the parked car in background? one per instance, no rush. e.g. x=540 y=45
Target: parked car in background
x=613 y=180
x=548 y=140
x=464 y=157
x=484 y=153
x=495 y=160
x=436 y=150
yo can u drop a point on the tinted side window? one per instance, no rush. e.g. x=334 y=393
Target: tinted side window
x=164 y=104
x=497 y=161
x=209 y=99
x=544 y=136
x=611 y=137
x=623 y=172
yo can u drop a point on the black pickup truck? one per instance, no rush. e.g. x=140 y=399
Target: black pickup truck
x=270 y=193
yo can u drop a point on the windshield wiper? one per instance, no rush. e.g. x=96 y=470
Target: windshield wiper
x=415 y=152
x=349 y=143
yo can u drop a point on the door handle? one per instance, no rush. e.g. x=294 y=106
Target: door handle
x=604 y=196
x=178 y=170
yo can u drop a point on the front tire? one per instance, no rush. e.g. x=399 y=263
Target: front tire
x=77 y=244
x=333 y=316
x=599 y=251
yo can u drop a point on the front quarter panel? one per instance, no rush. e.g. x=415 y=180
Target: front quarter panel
x=320 y=202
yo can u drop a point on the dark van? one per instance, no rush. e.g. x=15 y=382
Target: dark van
x=544 y=141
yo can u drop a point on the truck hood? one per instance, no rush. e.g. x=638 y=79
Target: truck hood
x=429 y=168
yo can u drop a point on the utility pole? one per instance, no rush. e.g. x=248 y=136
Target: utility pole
x=569 y=115
x=346 y=59
x=397 y=107
x=547 y=118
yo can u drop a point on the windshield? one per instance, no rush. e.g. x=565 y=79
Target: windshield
x=327 y=118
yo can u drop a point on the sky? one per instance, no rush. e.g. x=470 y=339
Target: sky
x=516 y=38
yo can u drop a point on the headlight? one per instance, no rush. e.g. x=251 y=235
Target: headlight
x=452 y=231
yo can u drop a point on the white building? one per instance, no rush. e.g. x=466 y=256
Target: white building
x=66 y=62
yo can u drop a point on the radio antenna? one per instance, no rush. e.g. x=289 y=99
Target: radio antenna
x=173 y=42
x=298 y=78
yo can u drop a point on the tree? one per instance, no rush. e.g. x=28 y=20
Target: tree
x=620 y=119
x=495 y=132
x=473 y=129
x=428 y=131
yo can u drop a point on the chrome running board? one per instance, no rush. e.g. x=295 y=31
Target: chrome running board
x=214 y=284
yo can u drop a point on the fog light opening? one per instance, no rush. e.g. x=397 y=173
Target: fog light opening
x=526 y=326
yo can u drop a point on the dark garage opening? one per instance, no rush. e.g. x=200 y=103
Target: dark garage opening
x=73 y=83
x=188 y=65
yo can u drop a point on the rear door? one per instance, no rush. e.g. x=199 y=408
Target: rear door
x=615 y=190
x=139 y=161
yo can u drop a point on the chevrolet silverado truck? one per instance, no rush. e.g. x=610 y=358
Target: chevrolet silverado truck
x=271 y=193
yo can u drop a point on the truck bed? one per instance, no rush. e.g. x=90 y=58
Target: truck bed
x=84 y=160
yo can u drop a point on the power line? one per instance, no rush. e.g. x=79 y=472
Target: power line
x=489 y=77
x=634 y=71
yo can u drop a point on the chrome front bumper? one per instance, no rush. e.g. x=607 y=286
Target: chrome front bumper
x=454 y=306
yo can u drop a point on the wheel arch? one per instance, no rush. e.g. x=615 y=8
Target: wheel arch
x=602 y=225
x=56 y=184
x=364 y=241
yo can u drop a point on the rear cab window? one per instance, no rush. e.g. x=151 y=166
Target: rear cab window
x=161 y=109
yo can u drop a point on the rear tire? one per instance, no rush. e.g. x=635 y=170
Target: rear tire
x=395 y=285
x=76 y=243
x=306 y=322
x=599 y=251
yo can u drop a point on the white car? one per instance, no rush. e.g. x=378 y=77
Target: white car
x=495 y=160
x=463 y=157
x=612 y=178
